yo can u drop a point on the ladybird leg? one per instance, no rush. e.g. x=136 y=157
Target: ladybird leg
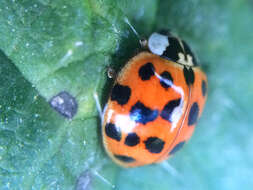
x=171 y=170
x=111 y=73
x=102 y=178
x=144 y=43
x=98 y=105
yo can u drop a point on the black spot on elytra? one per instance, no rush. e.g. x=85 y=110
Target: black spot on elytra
x=188 y=51
x=120 y=94
x=169 y=108
x=154 y=144
x=193 y=115
x=189 y=75
x=112 y=131
x=177 y=147
x=65 y=104
x=123 y=158
x=146 y=71
x=166 y=79
x=172 y=51
x=142 y=114
x=203 y=87
x=132 y=139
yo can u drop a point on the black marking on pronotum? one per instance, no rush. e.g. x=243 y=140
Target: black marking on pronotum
x=177 y=147
x=65 y=104
x=142 y=114
x=203 y=87
x=120 y=94
x=166 y=79
x=169 y=108
x=194 y=113
x=165 y=32
x=123 y=158
x=113 y=131
x=172 y=51
x=188 y=51
x=189 y=75
x=146 y=71
x=154 y=145
x=132 y=139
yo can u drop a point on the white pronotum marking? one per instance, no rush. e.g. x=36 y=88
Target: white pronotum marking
x=157 y=43
x=184 y=61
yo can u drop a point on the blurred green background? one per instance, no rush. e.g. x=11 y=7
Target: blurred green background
x=51 y=46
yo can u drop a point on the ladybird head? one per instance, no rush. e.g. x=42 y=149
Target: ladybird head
x=172 y=48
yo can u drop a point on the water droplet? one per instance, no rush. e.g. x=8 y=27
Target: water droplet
x=79 y=43
x=50 y=43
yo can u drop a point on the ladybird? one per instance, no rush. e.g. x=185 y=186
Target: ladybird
x=155 y=103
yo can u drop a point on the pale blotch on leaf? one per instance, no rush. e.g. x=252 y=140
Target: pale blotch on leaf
x=84 y=181
x=65 y=104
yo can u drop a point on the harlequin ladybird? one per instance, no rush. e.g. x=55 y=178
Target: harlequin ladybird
x=154 y=104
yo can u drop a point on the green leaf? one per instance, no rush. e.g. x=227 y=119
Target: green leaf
x=48 y=47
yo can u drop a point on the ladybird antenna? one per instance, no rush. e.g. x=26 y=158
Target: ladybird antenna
x=132 y=28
